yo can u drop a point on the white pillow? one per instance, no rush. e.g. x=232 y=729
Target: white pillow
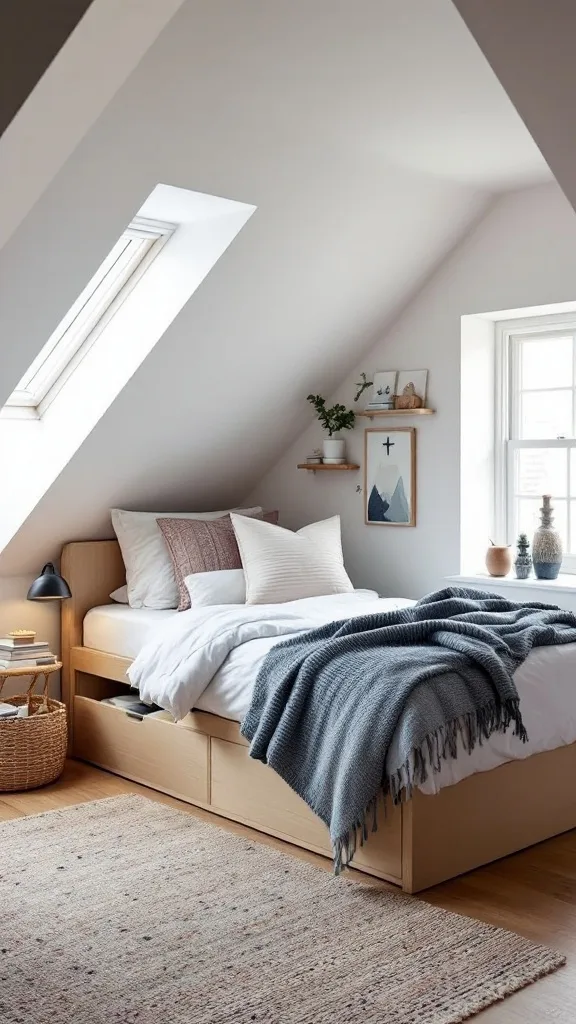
x=283 y=566
x=120 y=595
x=149 y=572
x=224 y=586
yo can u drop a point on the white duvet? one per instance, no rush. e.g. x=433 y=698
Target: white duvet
x=197 y=654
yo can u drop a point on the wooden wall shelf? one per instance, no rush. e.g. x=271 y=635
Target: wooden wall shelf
x=371 y=413
x=313 y=466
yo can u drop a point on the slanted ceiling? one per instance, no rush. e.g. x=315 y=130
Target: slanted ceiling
x=31 y=34
x=369 y=136
x=530 y=45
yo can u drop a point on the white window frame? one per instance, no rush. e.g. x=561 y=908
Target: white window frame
x=508 y=335
x=83 y=324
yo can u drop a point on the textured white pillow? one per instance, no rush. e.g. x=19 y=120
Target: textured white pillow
x=223 y=586
x=120 y=595
x=283 y=566
x=149 y=572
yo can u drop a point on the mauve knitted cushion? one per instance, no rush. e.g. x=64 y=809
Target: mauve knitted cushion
x=201 y=545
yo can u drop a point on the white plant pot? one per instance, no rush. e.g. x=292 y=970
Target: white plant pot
x=334 y=448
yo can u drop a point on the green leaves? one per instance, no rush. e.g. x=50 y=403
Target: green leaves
x=335 y=419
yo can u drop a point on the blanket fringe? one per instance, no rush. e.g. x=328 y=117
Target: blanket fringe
x=441 y=745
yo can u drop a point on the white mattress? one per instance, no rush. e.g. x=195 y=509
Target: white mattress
x=546 y=684
x=119 y=629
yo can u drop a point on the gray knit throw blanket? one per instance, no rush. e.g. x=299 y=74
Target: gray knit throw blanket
x=368 y=705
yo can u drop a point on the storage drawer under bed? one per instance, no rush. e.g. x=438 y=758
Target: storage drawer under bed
x=252 y=793
x=154 y=750
x=212 y=771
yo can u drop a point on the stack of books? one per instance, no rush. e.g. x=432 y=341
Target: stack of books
x=22 y=652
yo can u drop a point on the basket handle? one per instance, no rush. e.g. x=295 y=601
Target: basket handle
x=30 y=690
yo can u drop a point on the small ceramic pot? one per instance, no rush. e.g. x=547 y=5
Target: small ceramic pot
x=334 y=448
x=498 y=561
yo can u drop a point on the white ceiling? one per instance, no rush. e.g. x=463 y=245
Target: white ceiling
x=368 y=135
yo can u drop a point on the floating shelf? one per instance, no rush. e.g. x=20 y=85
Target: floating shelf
x=370 y=413
x=313 y=466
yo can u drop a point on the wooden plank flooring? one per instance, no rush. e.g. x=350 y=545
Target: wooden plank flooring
x=533 y=893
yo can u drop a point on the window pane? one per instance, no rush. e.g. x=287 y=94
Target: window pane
x=572 y=473
x=542 y=471
x=572 y=528
x=546 y=363
x=528 y=517
x=545 y=414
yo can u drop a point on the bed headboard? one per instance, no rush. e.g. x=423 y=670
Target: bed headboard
x=93 y=568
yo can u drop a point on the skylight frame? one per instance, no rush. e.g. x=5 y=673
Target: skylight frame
x=102 y=297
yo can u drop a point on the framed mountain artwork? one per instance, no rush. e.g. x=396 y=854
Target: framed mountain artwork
x=390 y=476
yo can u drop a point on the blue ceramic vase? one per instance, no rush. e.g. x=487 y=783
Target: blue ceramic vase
x=546 y=546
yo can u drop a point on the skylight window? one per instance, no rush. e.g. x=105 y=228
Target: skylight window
x=93 y=309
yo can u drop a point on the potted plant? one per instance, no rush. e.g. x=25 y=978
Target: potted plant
x=335 y=419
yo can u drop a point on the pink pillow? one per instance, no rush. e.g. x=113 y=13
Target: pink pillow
x=202 y=545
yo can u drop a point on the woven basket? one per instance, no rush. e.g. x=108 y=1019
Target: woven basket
x=33 y=749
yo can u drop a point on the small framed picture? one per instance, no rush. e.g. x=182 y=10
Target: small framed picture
x=384 y=389
x=419 y=378
x=390 y=476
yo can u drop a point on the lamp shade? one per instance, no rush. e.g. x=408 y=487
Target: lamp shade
x=50 y=586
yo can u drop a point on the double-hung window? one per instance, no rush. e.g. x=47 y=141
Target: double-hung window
x=536 y=442
x=88 y=316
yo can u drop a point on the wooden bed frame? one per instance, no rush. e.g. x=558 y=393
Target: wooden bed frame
x=204 y=761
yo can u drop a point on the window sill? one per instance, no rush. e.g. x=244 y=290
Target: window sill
x=565 y=584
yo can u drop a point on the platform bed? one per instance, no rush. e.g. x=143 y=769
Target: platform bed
x=204 y=760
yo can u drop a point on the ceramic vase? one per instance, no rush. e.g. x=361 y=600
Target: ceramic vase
x=523 y=563
x=546 y=546
x=334 y=448
x=498 y=560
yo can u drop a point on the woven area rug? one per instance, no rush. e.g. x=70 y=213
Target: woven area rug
x=124 y=910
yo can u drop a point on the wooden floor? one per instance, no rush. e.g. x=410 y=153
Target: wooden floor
x=533 y=893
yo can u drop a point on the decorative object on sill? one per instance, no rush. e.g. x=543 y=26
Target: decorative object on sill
x=383 y=390
x=498 y=560
x=523 y=563
x=49 y=586
x=417 y=382
x=408 y=399
x=546 y=546
x=390 y=476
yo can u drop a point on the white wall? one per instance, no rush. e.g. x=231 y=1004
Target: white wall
x=523 y=253
x=477 y=437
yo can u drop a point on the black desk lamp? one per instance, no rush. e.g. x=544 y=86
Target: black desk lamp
x=49 y=586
